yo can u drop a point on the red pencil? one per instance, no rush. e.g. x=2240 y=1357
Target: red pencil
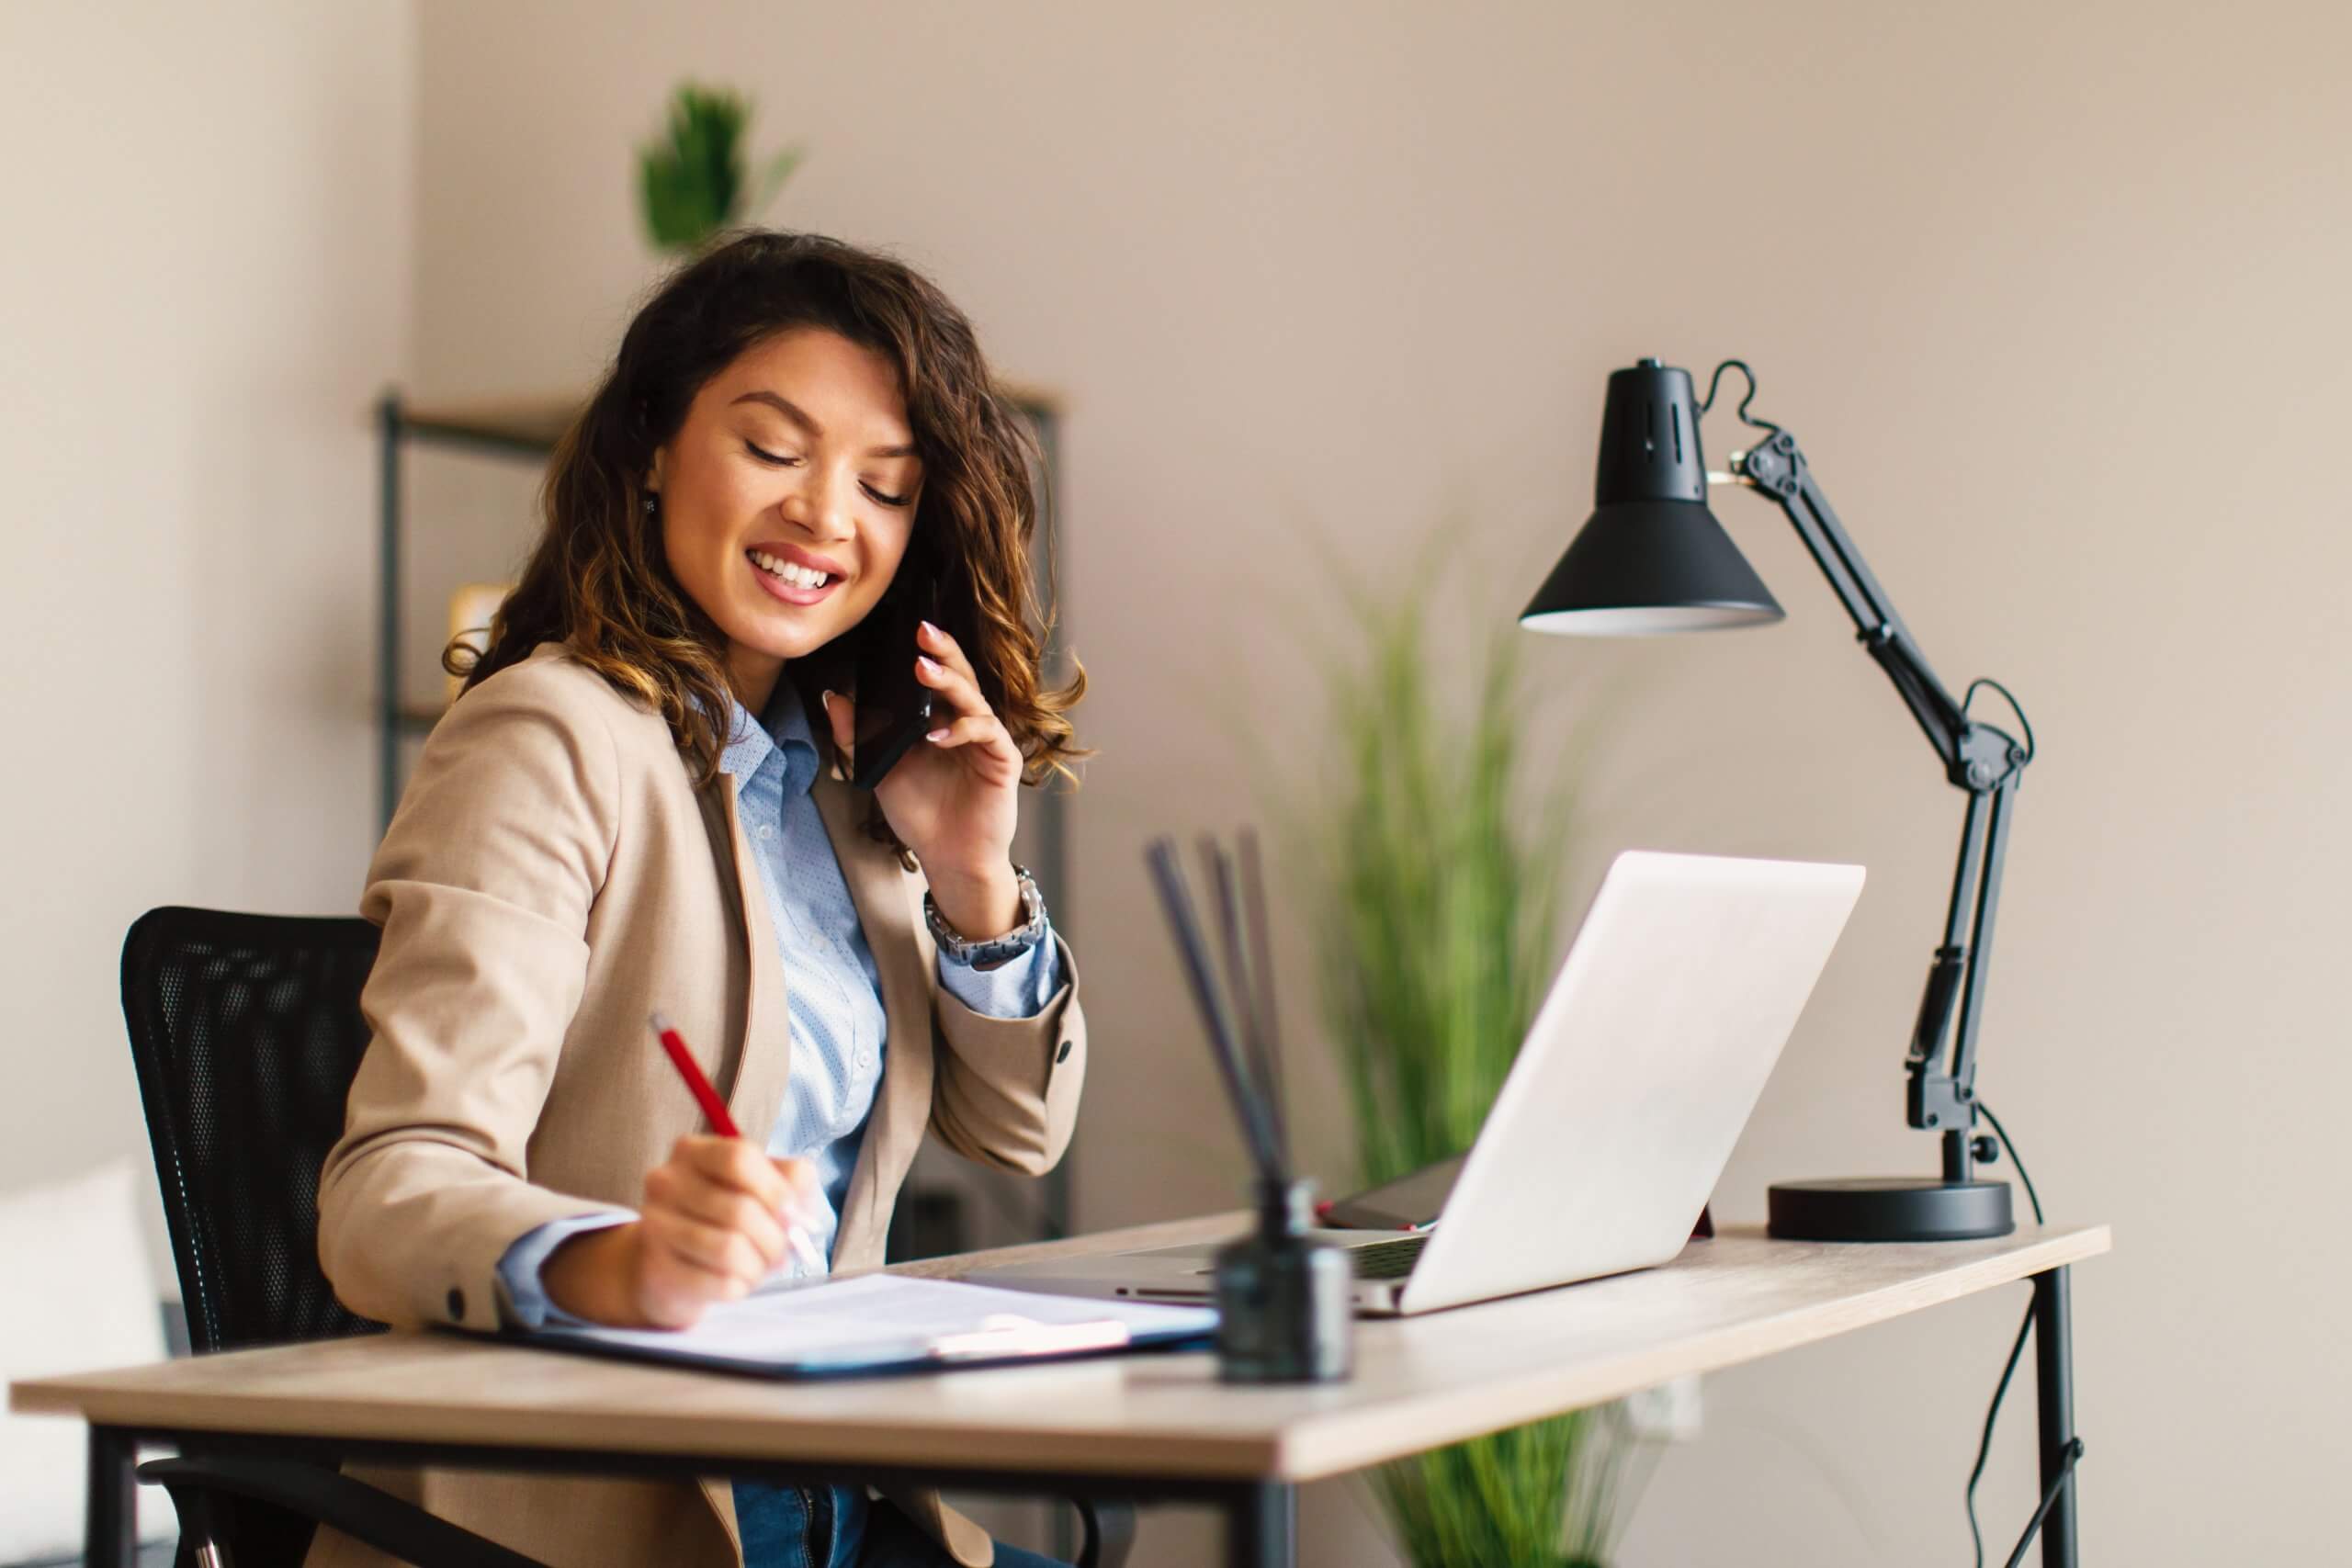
x=715 y=1110
x=704 y=1096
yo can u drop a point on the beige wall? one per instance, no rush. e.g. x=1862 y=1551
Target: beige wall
x=206 y=278
x=2055 y=294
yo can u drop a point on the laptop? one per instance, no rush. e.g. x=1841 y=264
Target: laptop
x=1619 y=1113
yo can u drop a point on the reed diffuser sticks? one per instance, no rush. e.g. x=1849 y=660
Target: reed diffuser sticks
x=1245 y=1058
x=1285 y=1300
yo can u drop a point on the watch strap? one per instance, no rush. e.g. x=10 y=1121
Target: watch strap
x=953 y=945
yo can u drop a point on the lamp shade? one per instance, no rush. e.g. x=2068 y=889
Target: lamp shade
x=1652 y=558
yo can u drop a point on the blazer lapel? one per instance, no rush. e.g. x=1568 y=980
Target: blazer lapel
x=885 y=898
x=753 y=1085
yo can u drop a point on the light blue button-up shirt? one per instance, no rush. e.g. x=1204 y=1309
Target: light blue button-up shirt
x=834 y=992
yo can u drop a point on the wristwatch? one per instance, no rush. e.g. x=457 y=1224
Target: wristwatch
x=997 y=949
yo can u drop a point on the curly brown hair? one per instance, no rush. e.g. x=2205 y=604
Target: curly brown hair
x=598 y=580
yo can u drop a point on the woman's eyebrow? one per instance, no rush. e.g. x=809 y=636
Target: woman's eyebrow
x=799 y=416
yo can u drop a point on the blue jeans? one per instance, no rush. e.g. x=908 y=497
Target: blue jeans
x=837 y=1527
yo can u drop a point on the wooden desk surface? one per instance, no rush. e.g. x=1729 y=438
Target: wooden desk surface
x=1419 y=1383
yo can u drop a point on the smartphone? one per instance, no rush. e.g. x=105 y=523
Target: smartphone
x=1407 y=1203
x=894 y=709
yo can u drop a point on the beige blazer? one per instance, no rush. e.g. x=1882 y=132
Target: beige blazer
x=552 y=877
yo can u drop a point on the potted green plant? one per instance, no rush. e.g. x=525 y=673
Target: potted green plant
x=1436 y=909
x=694 y=178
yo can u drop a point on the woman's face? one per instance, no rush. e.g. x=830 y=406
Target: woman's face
x=788 y=498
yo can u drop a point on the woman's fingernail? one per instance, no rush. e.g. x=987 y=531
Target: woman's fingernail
x=930 y=631
x=936 y=735
x=931 y=666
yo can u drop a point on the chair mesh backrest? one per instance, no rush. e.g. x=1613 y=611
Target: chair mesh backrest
x=246 y=1032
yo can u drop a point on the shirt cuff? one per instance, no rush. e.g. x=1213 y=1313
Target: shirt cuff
x=1018 y=987
x=523 y=1301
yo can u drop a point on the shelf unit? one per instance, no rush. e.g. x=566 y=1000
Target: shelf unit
x=526 y=430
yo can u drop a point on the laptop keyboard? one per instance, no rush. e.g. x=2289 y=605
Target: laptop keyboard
x=1388 y=1260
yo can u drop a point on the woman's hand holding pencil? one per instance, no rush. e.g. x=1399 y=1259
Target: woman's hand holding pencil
x=716 y=1219
x=719 y=1216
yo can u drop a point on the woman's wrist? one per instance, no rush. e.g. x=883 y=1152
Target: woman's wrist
x=593 y=1275
x=979 y=905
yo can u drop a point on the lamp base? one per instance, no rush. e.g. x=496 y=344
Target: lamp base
x=1889 y=1208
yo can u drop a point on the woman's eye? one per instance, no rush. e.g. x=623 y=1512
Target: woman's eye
x=788 y=459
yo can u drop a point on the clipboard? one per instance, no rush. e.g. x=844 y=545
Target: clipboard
x=871 y=1324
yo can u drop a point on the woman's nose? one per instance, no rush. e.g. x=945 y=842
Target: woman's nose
x=821 y=505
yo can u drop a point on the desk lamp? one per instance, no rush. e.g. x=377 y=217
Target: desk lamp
x=1652 y=559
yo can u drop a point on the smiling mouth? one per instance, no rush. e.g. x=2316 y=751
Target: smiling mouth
x=790 y=573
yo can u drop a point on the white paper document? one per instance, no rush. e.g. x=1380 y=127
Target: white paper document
x=881 y=1320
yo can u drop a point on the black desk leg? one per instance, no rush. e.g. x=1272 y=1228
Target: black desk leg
x=1261 y=1526
x=2053 y=1359
x=110 y=1531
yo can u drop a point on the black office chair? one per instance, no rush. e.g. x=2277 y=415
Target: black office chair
x=246 y=1032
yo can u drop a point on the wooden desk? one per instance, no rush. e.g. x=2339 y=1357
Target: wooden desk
x=1153 y=1427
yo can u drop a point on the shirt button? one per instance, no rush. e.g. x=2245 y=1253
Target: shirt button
x=865 y=1059
x=767 y=830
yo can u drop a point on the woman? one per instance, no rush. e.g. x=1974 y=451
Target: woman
x=635 y=805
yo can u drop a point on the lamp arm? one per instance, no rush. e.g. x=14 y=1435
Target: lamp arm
x=1777 y=467
x=1978 y=757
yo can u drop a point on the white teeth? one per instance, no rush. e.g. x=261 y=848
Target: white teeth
x=798 y=576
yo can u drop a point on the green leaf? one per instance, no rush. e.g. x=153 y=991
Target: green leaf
x=692 y=180
x=771 y=178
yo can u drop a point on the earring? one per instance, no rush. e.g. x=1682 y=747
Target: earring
x=651 y=506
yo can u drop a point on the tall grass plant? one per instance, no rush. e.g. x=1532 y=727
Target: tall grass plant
x=1436 y=911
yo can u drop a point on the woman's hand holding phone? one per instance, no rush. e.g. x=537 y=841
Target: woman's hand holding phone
x=954 y=799
x=713 y=1224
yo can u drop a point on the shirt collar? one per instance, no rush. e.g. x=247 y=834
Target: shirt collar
x=781 y=732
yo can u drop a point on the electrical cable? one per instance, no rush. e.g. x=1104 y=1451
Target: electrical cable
x=2014 y=706
x=1984 y=1443
x=2023 y=1175
x=2017 y=1348
x=1715 y=380
x=2074 y=1451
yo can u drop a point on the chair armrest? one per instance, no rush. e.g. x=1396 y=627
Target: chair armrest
x=329 y=1497
x=1107 y=1533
